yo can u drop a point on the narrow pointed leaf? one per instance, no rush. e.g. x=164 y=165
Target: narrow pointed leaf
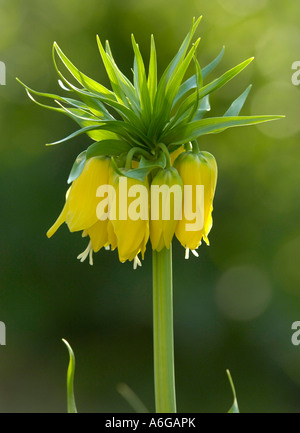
x=191 y=131
x=237 y=105
x=191 y=83
x=204 y=108
x=107 y=147
x=212 y=65
x=83 y=79
x=152 y=75
x=78 y=167
x=123 y=89
x=70 y=380
x=221 y=81
x=235 y=407
x=143 y=90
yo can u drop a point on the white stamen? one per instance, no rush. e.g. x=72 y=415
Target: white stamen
x=107 y=248
x=187 y=253
x=91 y=257
x=87 y=252
x=136 y=262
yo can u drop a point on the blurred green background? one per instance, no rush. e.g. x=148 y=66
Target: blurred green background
x=235 y=304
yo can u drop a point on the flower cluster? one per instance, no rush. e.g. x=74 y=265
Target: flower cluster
x=130 y=234
x=146 y=131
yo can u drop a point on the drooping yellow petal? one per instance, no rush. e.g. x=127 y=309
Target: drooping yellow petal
x=62 y=217
x=166 y=203
x=130 y=229
x=60 y=220
x=98 y=235
x=112 y=238
x=82 y=198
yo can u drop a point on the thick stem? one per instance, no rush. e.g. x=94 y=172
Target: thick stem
x=164 y=376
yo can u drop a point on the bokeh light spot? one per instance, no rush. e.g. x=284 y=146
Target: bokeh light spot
x=242 y=8
x=243 y=293
x=278 y=98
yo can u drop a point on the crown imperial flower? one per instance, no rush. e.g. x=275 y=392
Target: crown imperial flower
x=166 y=210
x=195 y=169
x=138 y=129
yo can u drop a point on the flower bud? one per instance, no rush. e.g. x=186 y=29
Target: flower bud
x=166 y=204
x=199 y=173
x=79 y=211
x=129 y=215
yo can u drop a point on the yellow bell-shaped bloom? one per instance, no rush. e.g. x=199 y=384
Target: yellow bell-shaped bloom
x=80 y=209
x=129 y=216
x=198 y=172
x=166 y=204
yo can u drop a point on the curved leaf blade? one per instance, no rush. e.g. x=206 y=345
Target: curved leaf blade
x=70 y=380
x=192 y=130
x=235 y=407
x=212 y=65
x=237 y=105
x=107 y=147
x=78 y=166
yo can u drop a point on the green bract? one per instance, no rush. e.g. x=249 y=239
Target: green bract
x=142 y=114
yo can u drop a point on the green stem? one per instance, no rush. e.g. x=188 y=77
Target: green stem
x=195 y=146
x=164 y=377
x=131 y=154
x=164 y=148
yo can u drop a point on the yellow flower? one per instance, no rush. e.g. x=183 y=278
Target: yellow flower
x=79 y=212
x=129 y=216
x=166 y=199
x=196 y=169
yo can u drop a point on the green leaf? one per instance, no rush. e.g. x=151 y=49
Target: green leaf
x=221 y=81
x=126 y=113
x=146 y=166
x=161 y=104
x=192 y=130
x=237 y=105
x=199 y=80
x=95 y=90
x=122 y=129
x=204 y=107
x=122 y=87
x=177 y=60
x=191 y=83
x=211 y=87
x=152 y=75
x=191 y=100
x=78 y=166
x=143 y=90
x=166 y=95
x=107 y=147
x=234 y=408
x=70 y=380
x=211 y=66
x=83 y=79
x=93 y=108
